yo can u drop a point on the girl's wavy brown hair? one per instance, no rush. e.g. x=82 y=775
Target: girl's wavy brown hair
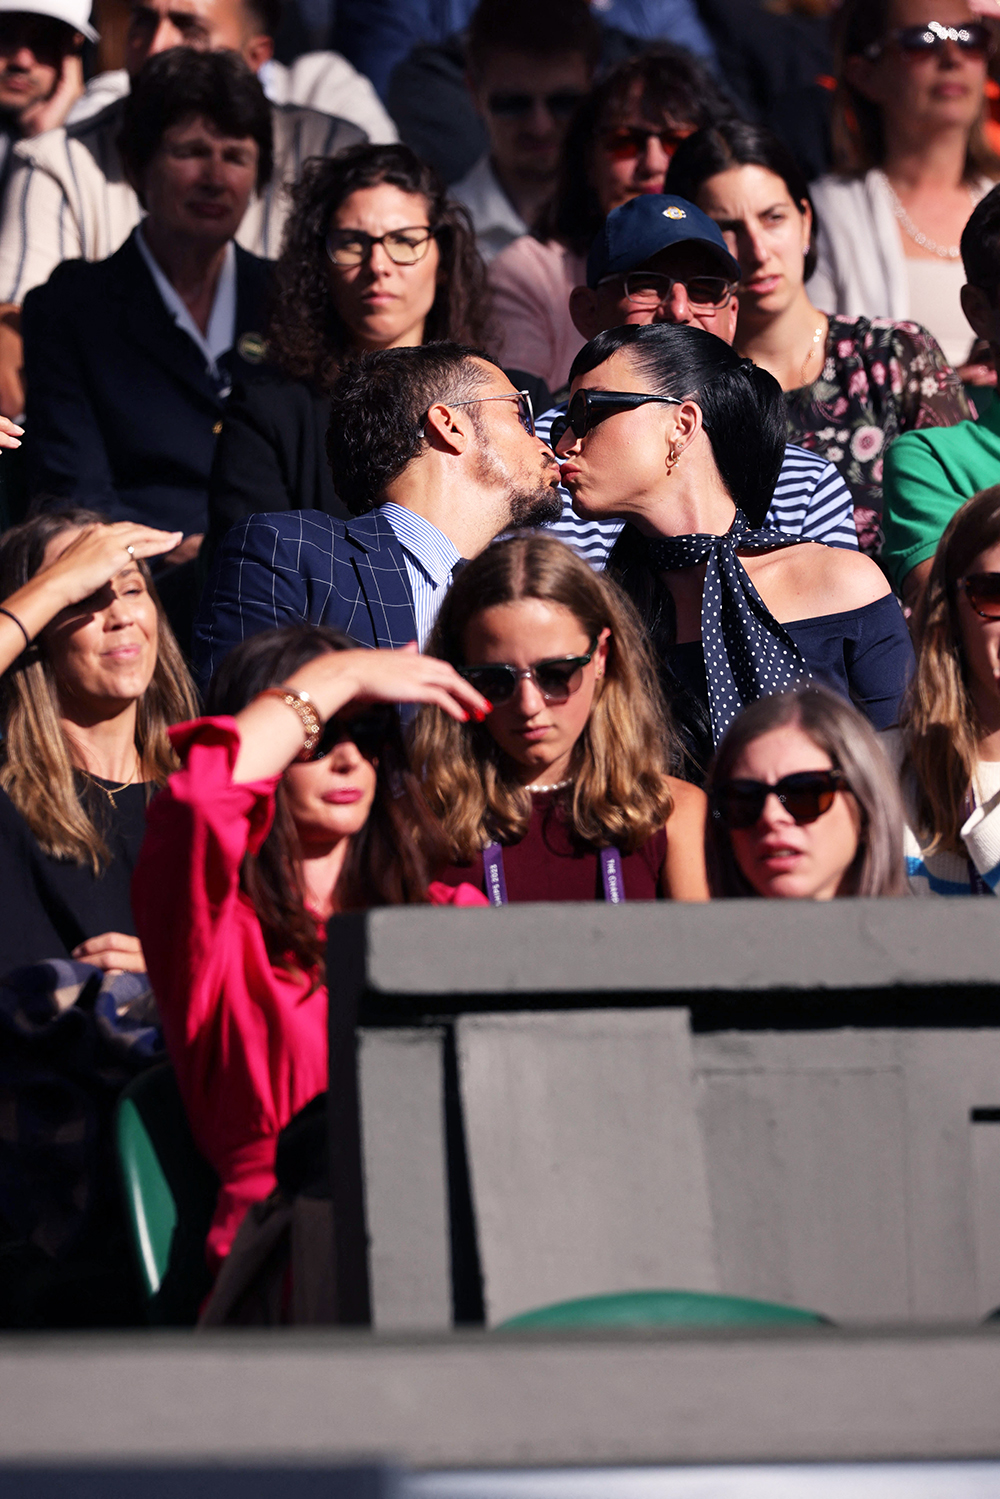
x=620 y=793
x=37 y=769
x=307 y=340
x=392 y=859
x=940 y=725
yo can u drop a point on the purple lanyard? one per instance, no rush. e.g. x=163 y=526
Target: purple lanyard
x=496 y=885
x=977 y=885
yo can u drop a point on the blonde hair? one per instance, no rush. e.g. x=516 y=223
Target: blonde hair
x=620 y=794
x=850 y=741
x=37 y=768
x=940 y=725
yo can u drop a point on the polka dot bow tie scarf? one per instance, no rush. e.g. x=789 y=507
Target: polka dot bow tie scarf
x=748 y=655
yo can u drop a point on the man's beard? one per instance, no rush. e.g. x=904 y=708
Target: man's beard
x=526 y=507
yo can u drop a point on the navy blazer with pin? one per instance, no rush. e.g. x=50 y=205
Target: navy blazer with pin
x=122 y=414
x=292 y=566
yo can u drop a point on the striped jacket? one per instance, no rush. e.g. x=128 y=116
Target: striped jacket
x=67 y=197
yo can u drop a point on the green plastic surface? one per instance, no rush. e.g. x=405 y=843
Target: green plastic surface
x=660 y=1309
x=151 y=1207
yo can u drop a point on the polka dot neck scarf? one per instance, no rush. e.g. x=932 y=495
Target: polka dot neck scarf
x=748 y=654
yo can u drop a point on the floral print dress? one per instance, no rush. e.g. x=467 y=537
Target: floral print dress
x=880 y=378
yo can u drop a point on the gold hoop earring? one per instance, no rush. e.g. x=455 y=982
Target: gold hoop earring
x=672 y=456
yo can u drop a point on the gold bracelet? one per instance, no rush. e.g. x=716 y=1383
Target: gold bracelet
x=301 y=704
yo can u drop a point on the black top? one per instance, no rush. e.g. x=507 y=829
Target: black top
x=49 y=906
x=865 y=655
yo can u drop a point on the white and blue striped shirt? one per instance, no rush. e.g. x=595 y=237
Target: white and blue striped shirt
x=810 y=501
x=430 y=558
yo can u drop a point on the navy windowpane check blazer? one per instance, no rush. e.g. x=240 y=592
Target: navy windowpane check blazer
x=296 y=566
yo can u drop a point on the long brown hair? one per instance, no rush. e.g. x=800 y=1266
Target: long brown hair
x=848 y=738
x=37 y=769
x=390 y=862
x=307 y=339
x=940 y=725
x=857 y=128
x=620 y=794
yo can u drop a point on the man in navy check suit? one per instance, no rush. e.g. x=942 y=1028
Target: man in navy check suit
x=434 y=454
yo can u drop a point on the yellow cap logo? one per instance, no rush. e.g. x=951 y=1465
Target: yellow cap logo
x=673 y=212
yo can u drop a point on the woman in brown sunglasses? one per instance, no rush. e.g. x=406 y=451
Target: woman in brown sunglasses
x=804 y=805
x=565 y=791
x=948 y=742
x=293 y=801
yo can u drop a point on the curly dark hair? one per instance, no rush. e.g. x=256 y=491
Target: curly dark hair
x=307 y=339
x=668 y=83
x=172 y=86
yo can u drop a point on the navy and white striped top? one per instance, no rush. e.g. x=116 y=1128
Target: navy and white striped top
x=811 y=502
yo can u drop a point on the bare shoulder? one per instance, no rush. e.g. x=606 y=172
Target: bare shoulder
x=855 y=578
x=809 y=580
x=690 y=802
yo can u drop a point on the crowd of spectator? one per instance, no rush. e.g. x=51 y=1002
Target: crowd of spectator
x=533 y=452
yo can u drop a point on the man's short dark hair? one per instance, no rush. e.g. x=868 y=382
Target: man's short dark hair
x=981 y=244
x=377 y=410
x=176 y=85
x=552 y=29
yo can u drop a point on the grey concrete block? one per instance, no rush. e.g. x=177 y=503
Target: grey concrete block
x=402 y=1113
x=585 y=1156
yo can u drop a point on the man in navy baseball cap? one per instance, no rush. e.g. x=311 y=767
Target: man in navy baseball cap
x=658 y=259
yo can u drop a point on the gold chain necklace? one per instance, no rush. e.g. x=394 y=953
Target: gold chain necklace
x=812 y=349
x=112 y=791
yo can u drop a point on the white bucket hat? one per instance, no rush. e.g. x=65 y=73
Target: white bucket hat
x=75 y=13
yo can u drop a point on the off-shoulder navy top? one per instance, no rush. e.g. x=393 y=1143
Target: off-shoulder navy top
x=864 y=654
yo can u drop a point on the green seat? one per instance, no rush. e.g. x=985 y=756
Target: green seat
x=170 y=1192
x=660 y=1309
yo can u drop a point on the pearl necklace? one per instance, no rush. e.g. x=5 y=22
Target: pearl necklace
x=557 y=786
x=944 y=252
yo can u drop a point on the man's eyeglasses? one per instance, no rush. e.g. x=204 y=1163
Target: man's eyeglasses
x=590 y=407
x=805 y=796
x=560 y=105
x=983 y=593
x=628 y=142
x=525 y=411
x=648 y=290
x=556 y=679
x=350 y=247
x=972 y=37
x=368 y=731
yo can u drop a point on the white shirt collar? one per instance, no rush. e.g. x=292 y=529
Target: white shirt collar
x=435 y=552
x=221 y=333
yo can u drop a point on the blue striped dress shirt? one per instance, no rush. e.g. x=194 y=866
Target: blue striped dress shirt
x=429 y=557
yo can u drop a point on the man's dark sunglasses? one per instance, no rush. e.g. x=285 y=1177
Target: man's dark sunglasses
x=368 y=732
x=556 y=679
x=560 y=105
x=804 y=796
x=651 y=289
x=590 y=407
x=972 y=37
x=983 y=593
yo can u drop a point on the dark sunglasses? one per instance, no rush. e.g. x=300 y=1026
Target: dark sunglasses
x=560 y=105
x=983 y=593
x=973 y=37
x=350 y=247
x=628 y=142
x=590 y=407
x=804 y=796
x=556 y=679
x=368 y=732
x=650 y=289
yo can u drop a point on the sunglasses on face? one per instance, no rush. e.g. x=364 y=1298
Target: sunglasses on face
x=629 y=142
x=973 y=38
x=350 y=247
x=590 y=407
x=983 y=593
x=367 y=732
x=650 y=289
x=525 y=410
x=559 y=105
x=805 y=796
x=556 y=679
